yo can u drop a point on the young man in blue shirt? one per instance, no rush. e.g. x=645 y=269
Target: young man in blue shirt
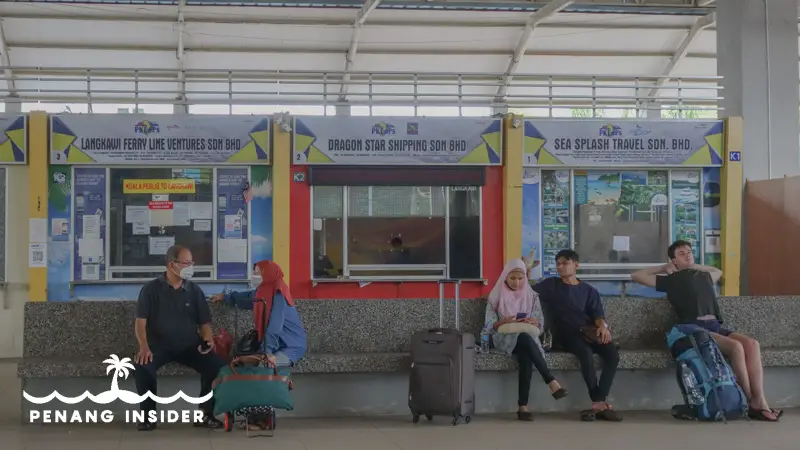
x=577 y=313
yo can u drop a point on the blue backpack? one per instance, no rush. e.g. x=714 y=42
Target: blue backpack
x=708 y=385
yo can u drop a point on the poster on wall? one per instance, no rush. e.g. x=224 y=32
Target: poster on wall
x=712 y=219
x=531 y=225
x=555 y=217
x=593 y=143
x=233 y=240
x=59 y=252
x=686 y=208
x=90 y=224
x=158 y=139
x=13 y=140
x=397 y=140
x=261 y=207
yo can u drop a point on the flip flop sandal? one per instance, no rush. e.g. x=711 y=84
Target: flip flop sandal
x=759 y=414
x=609 y=415
x=525 y=416
x=559 y=394
x=588 y=415
x=777 y=412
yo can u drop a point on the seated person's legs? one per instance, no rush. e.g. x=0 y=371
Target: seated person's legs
x=529 y=355
x=610 y=356
x=745 y=355
x=146 y=381
x=574 y=343
x=208 y=366
x=281 y=360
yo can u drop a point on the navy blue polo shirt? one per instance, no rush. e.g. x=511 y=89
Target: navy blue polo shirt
x=173 y=315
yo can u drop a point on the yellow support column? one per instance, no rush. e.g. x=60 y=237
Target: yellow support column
x=731 y=190
x=512 y=187
x=37 y=192
x=281 y=184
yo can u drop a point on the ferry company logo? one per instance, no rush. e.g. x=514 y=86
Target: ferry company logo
x=383 y=129
x=146 y=127
x=121 y=368
x=610 y=130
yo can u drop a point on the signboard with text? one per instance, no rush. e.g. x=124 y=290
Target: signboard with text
x=158 y=139
x=397 y=140
x=604 y=142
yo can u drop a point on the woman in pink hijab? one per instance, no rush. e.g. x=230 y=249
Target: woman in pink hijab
x=511 y=304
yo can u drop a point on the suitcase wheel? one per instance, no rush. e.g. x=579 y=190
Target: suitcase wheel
x=429 y=417
x=456 y=420
x=468 y=419
x=415 y=418
x=228 y=422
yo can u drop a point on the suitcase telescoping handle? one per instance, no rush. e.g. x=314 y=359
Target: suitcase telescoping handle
x=457 y=284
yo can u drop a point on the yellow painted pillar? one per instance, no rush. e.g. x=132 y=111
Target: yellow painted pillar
x=512 y=186
x=731 y=190
x=37 y=193
x=281 y=184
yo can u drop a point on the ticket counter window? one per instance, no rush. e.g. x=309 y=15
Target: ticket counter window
x=396 y=232
x=143 y=224
x=619 y=220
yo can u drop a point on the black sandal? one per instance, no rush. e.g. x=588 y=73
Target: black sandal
x=609 y=415
x=588 y=415
x=559 y=394
x=525 y=416
x=760 y=414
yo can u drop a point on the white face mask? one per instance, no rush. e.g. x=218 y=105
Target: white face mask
x=187 y=272
x=255 y=281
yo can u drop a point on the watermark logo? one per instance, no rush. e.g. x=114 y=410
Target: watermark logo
x=121 y=368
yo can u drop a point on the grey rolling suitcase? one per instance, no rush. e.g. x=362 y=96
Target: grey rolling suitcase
x=442 y=378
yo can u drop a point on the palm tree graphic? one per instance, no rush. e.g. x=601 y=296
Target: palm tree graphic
x=121 y=367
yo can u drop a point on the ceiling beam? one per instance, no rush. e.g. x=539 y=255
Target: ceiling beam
x=534 y=19
x=683 y=49
x=361 y=18
x=5 y=59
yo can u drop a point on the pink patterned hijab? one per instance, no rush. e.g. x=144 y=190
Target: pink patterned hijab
x=508 y=303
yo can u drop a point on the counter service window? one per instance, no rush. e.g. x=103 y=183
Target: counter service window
x=396 y=232
x=155 y=208
x=621 y=217
x=619 y=220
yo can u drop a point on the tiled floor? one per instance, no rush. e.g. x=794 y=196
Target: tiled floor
x=639 y=431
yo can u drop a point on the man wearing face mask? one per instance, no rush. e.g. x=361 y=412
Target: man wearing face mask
x=284 y=339
x=173 y=324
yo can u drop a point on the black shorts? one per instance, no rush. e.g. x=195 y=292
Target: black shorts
x=713 y=326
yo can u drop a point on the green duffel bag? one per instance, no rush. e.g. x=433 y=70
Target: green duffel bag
x=242 y=386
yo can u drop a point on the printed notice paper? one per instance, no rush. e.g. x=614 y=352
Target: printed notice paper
x=37 y=255
x=181 y=214
x=137 y=214
x=202 y=210
x=90 y=250
x=159 y=245
x=621 y=244
x=232 y=250
x=202 y=225
x=91 y=226
x=37 y=230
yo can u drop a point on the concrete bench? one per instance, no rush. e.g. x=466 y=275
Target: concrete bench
x=358 y=352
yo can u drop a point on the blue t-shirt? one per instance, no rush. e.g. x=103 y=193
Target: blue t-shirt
x=570 y=306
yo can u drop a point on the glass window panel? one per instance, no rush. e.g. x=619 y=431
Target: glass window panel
x=396 y=225
x=328 y=231
x=621 y=216
x=131 y=248
x=465 y=232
